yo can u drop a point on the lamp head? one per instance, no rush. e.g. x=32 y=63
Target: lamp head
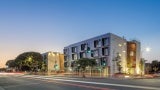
x=147 y=49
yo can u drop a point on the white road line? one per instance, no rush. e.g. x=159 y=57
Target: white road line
x=98 y=83
x=121 y=85
x=37 y=76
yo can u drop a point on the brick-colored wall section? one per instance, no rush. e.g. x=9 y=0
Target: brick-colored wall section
x=131 y=60
x=61 y=62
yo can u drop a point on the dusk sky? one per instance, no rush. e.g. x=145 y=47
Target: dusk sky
x=49 y=25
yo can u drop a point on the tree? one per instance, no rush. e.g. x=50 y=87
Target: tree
x=10 y=63
x=84 y=62
x=155 y=66
x=29 y=61
x=44 y=66
x=118 y=62
x=142 y=65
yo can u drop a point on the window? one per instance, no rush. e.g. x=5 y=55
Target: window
x=94 y=53
x=96 y=43
x=82 y=55
x=74 y=56
x=105 y=41
x=133 y=46
x=65 y=51
x=83 y=46
x=74 y=50
x=105 y=51
x=131 y=53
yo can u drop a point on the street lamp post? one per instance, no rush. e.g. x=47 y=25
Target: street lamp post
x=142 y=60
x=78 y=67
x=141 y=66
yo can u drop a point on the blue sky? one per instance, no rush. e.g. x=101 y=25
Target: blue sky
x=49 y=25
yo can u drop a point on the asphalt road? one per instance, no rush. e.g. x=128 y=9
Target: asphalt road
x=33 y=82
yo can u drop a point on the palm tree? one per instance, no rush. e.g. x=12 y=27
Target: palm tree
x=84 y=62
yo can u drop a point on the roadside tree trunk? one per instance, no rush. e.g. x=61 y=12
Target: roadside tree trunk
x=83 y=74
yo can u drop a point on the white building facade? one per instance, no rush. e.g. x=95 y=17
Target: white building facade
x=54 y=61
x=108 y=48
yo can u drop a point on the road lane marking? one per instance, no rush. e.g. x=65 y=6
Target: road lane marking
x=49 y=77
x=77 y=85
x=84 y=86
x=98 y=83
x=110 y=84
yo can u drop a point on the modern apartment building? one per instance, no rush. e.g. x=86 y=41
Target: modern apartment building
x=109 y=49
x=54 y=60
